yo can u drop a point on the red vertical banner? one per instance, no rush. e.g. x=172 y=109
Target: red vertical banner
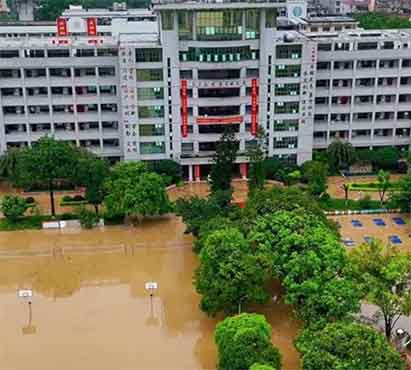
x=62 y=27
x=197 y=172
x=243 y=170
x=92 y=26
x=184 y=110
x=254 y=106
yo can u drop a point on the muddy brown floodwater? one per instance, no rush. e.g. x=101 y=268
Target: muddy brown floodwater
x=90 y=309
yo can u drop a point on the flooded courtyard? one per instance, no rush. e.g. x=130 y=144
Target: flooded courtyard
x=90 y=308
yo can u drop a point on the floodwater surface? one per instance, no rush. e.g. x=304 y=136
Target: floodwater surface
x=90 y=309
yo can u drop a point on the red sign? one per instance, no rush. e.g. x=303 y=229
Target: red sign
x=219 y=120
x=254 y=107
x=184 y=110
x=62 y=27
x=92 y=26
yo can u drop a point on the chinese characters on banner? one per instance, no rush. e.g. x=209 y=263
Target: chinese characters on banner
x=91 y=26
x=62 y=27
x=254 y=107
x=184 y=113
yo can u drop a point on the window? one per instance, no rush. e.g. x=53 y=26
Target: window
x=286 y=107
x=9 y=54
x=286 y=125
x=218 y=74
x=289 y=51
x=271 y=18
x=152 y=130
x=167 y=20
x=58 y=53
x=323 y=66
x=285 y=142
x=185 y=25
x=152 y=148
x=30 y=53
x=103 y=71
x=149 y=93
x=149 y=74
x=287 y=89
x=107 y=52
x=219 y=25
x=367 y=46
x=149 y=55
x=252 y=24
x=282 y=70
x=186 y=74
x=85 y=53
x=324 y=47
x=342 y=46
x=156 y=111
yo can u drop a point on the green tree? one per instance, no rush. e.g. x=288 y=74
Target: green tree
x=341 y=154
x=350 y=346
x=303 y=252
x=229 y=276
x=384 y=274
x=381 y=158
x=92 y=172
x=292 y=177
x=47 y=161
x=315 y=173
x=378 y=21
x=134 y=192
x=223 y=163
x=383 y=181
x=13 y=207
x=244 y=340
x=256 y=172
x=168 y=169
x=258 y=366
x=402 y=196
x=8 y=164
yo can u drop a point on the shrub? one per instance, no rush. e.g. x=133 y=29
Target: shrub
x=365 y=202
x=67 y=216
x=67 y=198
x=13 y=207
x=87 y=218
x=30 y=200
x=78 y=198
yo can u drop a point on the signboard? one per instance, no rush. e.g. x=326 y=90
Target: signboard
x=92 y=26
x=62 y=27
x=151 y=285
x=25 y=293
x=184 y=110
x=254 y=108
x=219 y=120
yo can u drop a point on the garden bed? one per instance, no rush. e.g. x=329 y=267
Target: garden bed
x=372 y=186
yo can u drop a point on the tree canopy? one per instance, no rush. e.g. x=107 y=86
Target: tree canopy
x=229 y=276
x=347 y=346
x=315 y=174
x=46 y=161
x=49 y=10
x=378 y=21
x=222 y=169
x=402 y=196
x=341 y=154
x=306 y=255
x=132 y=191
x=244 y=340
x=384 y=275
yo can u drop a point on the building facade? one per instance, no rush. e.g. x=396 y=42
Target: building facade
x=165 y=83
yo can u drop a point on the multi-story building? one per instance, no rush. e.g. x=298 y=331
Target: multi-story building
x=165 y=83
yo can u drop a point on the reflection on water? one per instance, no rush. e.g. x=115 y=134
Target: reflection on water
x=91 y=310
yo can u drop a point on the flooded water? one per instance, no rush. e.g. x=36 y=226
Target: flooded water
x=90 y=308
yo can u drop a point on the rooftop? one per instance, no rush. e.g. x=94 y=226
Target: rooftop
x=215 y=4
